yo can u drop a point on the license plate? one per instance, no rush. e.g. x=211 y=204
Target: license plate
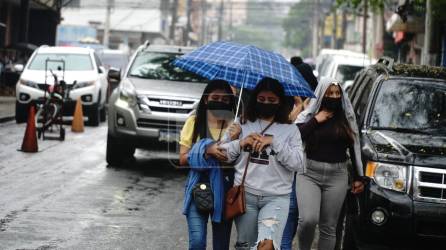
x=165 y=136
x=171 y=103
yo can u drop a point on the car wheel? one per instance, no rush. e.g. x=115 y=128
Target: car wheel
x=62 y=134
x=348 y=237
x=103 y=114
x=21 y=112
x=93 y=116
x=118 y=152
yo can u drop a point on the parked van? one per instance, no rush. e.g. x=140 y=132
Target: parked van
x=341 y=64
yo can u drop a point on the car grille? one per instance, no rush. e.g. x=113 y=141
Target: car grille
x=165 y=105
x=430 y=184
x=42 y=86
x=159 y=124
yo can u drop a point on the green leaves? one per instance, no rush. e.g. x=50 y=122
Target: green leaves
x=297 y=26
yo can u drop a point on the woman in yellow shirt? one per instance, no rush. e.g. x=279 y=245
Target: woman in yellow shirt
x=203 y=131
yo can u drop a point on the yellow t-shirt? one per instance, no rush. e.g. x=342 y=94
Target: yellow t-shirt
x=188 y=129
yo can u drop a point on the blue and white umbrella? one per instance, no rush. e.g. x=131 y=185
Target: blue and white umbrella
x=243 y=66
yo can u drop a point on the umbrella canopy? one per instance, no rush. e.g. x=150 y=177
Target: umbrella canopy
x=243 y=66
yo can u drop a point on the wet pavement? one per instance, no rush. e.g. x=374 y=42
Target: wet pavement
x=65 y=196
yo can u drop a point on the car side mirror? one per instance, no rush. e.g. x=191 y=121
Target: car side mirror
x=18 y=67
x=114 y=74
x=102 y=69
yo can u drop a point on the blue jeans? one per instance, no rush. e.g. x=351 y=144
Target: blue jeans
x=264 y=219
x=291 y=224
x=197 y=224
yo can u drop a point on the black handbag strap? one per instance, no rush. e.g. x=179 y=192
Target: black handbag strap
x=249 y=157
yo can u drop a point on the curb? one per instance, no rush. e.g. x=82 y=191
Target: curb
x=4 y=119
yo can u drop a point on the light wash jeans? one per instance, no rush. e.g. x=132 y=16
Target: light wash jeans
x=321 y=193
x=265 y=219
x=291 y=224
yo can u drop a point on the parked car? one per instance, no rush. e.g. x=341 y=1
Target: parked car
x=82 y=66
x=152 y=102
x=401 y=115
x=116 y=60
x=341 y=64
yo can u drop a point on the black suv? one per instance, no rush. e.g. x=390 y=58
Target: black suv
x=401 y=114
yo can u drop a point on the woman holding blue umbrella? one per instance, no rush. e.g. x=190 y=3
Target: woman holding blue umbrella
x=207 y=181
x=269 y=149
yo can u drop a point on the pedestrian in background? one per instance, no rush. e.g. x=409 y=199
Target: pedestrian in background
x=207 y=182
x=328 y=128
x=270 y=158
x=299 y=105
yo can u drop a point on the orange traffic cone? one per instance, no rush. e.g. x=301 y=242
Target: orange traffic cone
x=30 y=140
x=78 y=119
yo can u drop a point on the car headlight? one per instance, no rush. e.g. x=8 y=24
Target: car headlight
x=127 y=93
x=390 y=176
x=79 y=85
x=29 y=83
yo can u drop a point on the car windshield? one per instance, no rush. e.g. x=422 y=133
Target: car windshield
x=408 y=105
x=158 y=65
x=114 y=60
x=73 y=62
x=347 y=72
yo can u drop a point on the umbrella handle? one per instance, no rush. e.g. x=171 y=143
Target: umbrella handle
x=240 y=97
x=238 y=103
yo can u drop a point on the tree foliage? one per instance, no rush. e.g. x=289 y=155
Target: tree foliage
x=249 y=34
x=297 y=26
x=355 y=4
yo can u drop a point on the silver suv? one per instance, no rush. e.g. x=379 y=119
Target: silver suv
x=152 y=102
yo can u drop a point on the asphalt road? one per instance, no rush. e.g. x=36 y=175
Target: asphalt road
x=66 y=197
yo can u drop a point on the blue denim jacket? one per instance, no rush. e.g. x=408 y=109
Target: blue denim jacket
x=199 y=164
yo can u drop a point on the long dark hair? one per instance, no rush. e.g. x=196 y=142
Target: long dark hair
x=268 y=84
x=341 y=127
x=201 y=125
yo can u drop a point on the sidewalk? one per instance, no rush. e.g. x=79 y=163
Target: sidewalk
x=7 y=108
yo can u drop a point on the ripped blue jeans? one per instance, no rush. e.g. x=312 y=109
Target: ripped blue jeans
x=265 y=219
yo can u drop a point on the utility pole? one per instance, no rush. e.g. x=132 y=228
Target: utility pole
x=230 y=19
x=316 y=20
x=203 y=21
x=343 y=29
x=426 y=56
x=174 y=14
x=334 y=39
x=24 y=21
x=364 y=28
x=188 y=25
x=106 y=37
x=220 y=21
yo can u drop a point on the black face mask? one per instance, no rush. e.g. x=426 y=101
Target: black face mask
x=266 y=110
x=332 y=104
x=220 y=109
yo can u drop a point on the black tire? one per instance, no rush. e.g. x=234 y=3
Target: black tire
x=21 y=112
x=118 y=152
x=62 y=134
x=102 y=115
x=93 y=116
x=349 y=239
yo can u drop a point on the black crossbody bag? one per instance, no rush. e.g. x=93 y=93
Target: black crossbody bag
x=202 y=191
